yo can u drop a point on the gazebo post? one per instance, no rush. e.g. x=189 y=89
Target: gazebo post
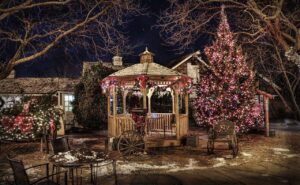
x=108 y=115
x=125 y=92
x=173 y=102
x=186 y=99
x=267 y=121
x=114 y=111
x=144 y=92
x=176 y=108
x=149 y=95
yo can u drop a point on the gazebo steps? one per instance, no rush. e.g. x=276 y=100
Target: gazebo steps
x=162 y=143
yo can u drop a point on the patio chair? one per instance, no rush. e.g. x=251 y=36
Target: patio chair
x=60 y=145
x=21 y=176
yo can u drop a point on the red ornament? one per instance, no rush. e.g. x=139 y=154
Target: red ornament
x=142 y=80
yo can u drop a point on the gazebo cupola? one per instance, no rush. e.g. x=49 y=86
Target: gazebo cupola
x=146 y=56
x=140 y=86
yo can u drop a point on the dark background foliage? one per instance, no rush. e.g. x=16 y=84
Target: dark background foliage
x=90 y=105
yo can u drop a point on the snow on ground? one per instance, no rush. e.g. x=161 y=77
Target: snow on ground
x=280 y=150
x=246 y=154
x=284 y=152
x=130 y=167
x=220 y=162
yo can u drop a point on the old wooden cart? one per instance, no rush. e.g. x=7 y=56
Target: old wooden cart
x=224 y=131
x=144 y=86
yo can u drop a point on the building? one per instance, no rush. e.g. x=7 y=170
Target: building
x=12 y=89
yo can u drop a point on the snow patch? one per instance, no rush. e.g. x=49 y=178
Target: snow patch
x=221 y=162
x=136 y=167
x=291 y=155
x=280 y=150
x=233 y=164
x=246 y=154
x=192 y=165
x=128 y=168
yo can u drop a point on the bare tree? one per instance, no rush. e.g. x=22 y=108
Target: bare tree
x=30 y=28
x=252 y=20
x=283 y=73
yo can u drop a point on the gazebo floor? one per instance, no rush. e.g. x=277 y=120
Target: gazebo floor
x=152 y=141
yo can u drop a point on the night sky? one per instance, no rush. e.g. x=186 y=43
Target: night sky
x=140 y=30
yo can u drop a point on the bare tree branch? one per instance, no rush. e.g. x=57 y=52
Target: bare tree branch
x=30 y=29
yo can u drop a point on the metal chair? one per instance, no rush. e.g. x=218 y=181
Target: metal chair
x=60 y=145
x=21 y=177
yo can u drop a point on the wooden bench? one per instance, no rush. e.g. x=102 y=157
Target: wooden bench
x=224 y=131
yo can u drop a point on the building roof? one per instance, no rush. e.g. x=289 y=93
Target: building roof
x=149 y=69
x=177 y=62
x=37 y=85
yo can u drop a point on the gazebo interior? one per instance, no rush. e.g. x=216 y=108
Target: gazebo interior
x=160 y=91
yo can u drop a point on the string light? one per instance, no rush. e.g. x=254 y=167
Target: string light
x=30 y=123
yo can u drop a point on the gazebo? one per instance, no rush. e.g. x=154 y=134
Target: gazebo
x=144 y=85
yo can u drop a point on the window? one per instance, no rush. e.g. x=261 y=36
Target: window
x=119 y=97
x=134 y=100
x=181 y=105
x=161 y=101
x=68 y=99
x=193 y=71
x=10 y=101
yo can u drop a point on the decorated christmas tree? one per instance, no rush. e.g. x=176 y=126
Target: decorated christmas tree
x=226 y=90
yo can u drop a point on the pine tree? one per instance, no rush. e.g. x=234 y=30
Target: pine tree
x=89 y=103
x=227 y=89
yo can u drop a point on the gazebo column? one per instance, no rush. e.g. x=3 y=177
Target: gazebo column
x=186 y=125
x=125 y=92
x=267 y=121
x=114 y=112
x=109 y=126
x=149 y=95
x=144 y=92
x=173 y=102
x=149 y=104
x=176 y=108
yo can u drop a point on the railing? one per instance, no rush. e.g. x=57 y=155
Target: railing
x=124 y=123
x=162 y=124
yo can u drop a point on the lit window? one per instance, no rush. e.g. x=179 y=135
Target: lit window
x=10 y=101
x=68 y=99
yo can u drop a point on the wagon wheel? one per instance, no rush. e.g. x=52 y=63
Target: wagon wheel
x=130 y=143
x=210 y=142
x=234 y=145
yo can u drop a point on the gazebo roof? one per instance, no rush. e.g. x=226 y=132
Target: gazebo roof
x=149 y=69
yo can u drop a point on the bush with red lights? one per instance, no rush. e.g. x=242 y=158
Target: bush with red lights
x=29 y=119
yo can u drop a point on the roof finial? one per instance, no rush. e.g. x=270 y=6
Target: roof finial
x=146 y=49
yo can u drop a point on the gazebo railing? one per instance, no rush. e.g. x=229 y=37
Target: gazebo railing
x=158 y=124
x=162 y=124
x=124 y=123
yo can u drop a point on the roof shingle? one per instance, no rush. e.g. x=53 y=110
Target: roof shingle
x=37 y=85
